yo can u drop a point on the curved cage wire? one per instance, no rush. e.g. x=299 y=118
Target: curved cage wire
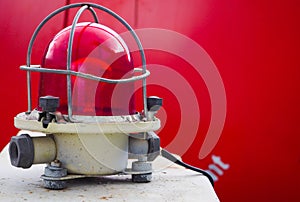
x=68 y=72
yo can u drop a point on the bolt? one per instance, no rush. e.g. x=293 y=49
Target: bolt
x=154 y=103
x=49 y=103
x=55 y=163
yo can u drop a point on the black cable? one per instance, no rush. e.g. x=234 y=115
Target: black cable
x=172 y=158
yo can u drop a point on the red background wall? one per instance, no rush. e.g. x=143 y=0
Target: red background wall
x=255 y=46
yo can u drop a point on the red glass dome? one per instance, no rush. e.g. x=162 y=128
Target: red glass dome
x=96 y=50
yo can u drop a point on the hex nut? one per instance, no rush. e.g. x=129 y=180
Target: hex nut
x=21 y=151
x=55 y=172
x=55 y=184
x=141 y=166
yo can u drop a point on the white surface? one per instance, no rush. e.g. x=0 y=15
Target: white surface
x=169 y=184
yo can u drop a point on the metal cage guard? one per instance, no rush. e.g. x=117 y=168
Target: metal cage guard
x=69 y=72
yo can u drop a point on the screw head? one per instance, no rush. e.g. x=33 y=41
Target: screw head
x=154 y=103
x=49 y=103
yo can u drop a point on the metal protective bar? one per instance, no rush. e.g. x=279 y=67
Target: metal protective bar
x=121 y=20
x=37 y=68
x=69 y=58
x=94 y=14
x=33 y=37
x=141 y=50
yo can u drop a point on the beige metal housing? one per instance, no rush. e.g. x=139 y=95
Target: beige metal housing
x=87 y=147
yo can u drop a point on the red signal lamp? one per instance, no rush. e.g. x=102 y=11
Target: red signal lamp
x=86 y=128
x=97 y=50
